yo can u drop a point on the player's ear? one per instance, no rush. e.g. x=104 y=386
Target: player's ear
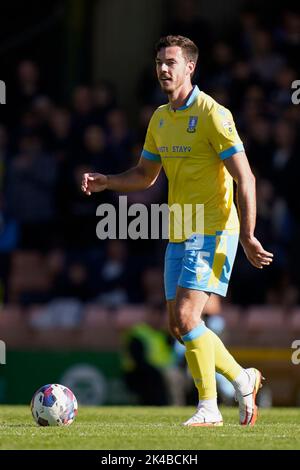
x=191 y=67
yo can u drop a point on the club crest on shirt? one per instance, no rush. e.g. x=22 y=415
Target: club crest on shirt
x=161 y=123
x=192 y=124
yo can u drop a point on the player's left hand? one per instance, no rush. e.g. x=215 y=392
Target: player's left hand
x=255 y=253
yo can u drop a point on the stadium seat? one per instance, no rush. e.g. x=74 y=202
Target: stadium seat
x=264 y=318
x=295 y=320
x=233 y=316
x=128 y=315
x=11 y=316
x=29 y=273
x=95 y=315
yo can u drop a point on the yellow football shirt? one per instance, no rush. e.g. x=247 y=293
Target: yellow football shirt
x=191 y=143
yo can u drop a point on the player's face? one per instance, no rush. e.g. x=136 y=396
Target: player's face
x=172 y=68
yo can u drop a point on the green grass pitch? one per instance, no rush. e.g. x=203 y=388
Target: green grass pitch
x=149 y=428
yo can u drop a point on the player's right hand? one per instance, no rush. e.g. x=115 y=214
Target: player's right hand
x=93 y=183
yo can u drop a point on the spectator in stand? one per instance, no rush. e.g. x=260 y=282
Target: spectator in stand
x=31 y=192
x=120 y=138
x=27 y=89
x=112 y=279
x=265 y=61
x=288 y=37
x=260 y=145
x=104 y=100
x=187 y=21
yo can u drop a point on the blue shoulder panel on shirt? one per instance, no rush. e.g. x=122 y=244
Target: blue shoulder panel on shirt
x=231 y=151
x=151 y=156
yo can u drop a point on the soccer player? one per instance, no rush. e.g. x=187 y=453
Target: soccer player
x=195 y=140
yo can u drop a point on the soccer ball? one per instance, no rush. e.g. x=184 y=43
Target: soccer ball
x=54 y=405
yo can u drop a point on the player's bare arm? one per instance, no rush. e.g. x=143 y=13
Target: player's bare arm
x=142 y=176
x=239 y=168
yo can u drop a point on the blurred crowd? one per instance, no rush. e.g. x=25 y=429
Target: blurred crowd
x=48 y=243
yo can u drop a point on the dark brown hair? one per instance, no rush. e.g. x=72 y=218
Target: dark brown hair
x=189 y=49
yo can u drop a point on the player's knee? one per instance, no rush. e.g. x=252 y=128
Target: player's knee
x=182 y=313
x=186 y=318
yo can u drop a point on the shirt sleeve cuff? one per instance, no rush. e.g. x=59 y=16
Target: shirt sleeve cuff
x=151 y=156
x=231 y=151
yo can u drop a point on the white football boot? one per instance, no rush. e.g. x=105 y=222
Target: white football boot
x=247 y=397
x=204 y=417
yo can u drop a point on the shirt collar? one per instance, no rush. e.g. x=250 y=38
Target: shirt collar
x=191 y=99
